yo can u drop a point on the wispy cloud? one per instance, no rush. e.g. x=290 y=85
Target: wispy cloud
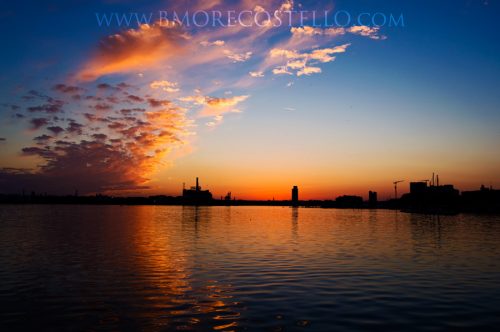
x=256 y=73
x=165 y=86
x=215 y=107
x=362 y=30
x=238 y=57
x=281 y=70
x=365 y=31
x=213 y=43
x=298 y=62
x=308 y=71
x=147 y=47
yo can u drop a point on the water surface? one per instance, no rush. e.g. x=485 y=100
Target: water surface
x=167 y=268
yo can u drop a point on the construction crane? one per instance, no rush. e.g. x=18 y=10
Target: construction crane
x=396 y=188
x=426 y=181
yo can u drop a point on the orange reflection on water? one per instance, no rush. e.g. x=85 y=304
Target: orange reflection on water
x=163 y=243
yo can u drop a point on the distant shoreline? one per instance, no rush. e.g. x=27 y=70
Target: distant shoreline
x=179 y=201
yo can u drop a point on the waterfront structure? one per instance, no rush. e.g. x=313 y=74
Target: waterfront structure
x=295 y=196
x=196 y=195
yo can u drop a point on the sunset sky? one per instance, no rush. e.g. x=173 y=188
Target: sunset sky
x=144 y=108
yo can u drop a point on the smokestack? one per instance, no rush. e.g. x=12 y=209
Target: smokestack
x=197 y=186
x=437 y=180
x=433 y=179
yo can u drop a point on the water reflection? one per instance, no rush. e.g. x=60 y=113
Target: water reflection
x=155 y=268
x=295 y=222
x=427 y=231
x=169 y=261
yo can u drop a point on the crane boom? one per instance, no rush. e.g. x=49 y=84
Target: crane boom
x=396 y=188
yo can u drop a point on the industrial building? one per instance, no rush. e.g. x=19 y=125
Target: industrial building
x=195 y=195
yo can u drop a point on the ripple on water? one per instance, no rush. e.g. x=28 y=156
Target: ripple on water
x=245 y=268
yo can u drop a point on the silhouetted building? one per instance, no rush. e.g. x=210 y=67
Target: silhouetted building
x=228 y=197
x=482 y=200
x=431 y=199
x=195 y=195
x=418 y=187
x=295 y=196
x=372 y=198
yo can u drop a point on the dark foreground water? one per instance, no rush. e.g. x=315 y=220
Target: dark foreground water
x=162 y=268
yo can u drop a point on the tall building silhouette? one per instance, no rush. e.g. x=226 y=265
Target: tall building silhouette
x=295 y=196
x=196 y=195
x=372 y=198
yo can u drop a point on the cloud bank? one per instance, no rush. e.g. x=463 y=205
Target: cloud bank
x=141 y=93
